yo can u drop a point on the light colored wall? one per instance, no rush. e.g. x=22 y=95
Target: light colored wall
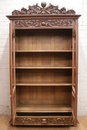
x=6 y=7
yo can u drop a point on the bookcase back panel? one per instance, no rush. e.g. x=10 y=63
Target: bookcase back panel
x=44 y=76
x=44 y=95
x=43 y=59
x=44 y=39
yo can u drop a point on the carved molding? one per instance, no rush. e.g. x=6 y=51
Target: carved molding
x=44 y=121
x=45 y=23
x=74 y=33
x=36 y=9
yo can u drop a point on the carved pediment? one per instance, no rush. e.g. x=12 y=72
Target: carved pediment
x=36 y=9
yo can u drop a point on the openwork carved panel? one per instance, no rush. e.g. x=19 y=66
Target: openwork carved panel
x=36 y=9
x=44 y=121
x=45 y=23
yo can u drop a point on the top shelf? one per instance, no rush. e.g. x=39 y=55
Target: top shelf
x=43 y=51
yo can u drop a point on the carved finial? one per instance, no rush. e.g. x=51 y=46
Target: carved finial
x=43 y=4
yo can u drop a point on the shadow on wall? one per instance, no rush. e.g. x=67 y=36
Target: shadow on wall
x=82 y=76
x=4 y=75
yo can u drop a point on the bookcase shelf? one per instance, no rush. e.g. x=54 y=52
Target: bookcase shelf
x=43 y=67
x=43 y=84
x=33 y=51
x=43 y=109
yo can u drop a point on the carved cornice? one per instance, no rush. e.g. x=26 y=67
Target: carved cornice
x=45 y=23
x=36 y=9
x=44 y=121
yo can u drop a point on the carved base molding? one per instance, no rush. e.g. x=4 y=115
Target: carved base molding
x=44 y=121
x=45 y=23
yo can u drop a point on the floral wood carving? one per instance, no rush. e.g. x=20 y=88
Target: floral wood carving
x=45 y=23
x=36 y=9
x=45 y=121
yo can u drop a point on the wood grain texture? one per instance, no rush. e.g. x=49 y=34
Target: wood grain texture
x=44 y=39
x=43 y=108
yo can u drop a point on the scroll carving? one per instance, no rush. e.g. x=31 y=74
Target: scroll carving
x=46 y=121
x=36 y=9
x=45 y=23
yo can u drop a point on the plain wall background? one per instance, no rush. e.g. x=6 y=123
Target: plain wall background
x=6 y=7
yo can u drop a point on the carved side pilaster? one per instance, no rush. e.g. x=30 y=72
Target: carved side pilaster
x=45 y=23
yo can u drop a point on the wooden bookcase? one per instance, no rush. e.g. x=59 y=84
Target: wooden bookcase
x=43 y=66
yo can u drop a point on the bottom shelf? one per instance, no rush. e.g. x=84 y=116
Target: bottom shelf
x=43 y=108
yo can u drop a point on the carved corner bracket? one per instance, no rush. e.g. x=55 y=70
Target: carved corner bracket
x=36 y=9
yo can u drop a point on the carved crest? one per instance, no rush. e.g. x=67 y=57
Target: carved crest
x=36 y=9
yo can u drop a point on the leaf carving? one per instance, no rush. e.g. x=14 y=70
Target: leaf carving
x=36 y=9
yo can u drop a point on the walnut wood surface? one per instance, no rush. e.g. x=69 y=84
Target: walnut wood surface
x=43 y=108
